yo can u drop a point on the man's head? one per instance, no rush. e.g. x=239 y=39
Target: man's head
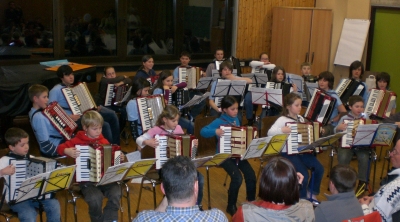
x=179 y=178
x=343 y=178
x=395 y=155
x=65 y=73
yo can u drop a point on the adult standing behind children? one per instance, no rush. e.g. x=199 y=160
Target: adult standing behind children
x=46 y=134
x=342 y=204
x=111 y=125
x=218 y=58
x=92 y=123
x=18 y=143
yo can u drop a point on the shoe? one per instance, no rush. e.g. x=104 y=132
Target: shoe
x=201 y=207
x=231 y=209
x=362 y=186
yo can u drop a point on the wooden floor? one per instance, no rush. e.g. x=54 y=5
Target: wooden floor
x=218 y=190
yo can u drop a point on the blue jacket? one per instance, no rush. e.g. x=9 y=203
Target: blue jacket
x=209 y=130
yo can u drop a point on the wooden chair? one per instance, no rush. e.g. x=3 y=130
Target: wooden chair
x=372 y=217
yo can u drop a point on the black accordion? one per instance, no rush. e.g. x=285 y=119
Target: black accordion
x=320 y=107
x=349 y=87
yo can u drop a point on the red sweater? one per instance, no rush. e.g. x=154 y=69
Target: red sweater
x=80 y=139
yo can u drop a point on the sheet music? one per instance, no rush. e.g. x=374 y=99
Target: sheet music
x=257 y=78
x=256 y=148
x=365 y=134
x=296 y=79
x=114 y=173
x=311 y=86
x=31 y=187
x=195 y=100
x=205 y=82
x=134 y=156
x=276 y=144
x=218 y=159
x=229 y=87
x=385 y=134
x=58 y=179
x=198 y=162
x=265 y=95
x=126 y=96
x=140 y=168
x=324 y=141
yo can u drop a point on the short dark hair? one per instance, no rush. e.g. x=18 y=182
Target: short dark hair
x=187 y=54
x=227 y=102
x=139 y=84
x=328 y=76
x=344 y=178
x=355 y=65
x=305 y=64
x=279 y=183
x=218 y=49
x=36 y=90
x=275 y=71
x=383 y=76
x=288 y=100
x=355 y=99
x=225 y=64
x=178 y=178
x=64 y=70
x=14 y=135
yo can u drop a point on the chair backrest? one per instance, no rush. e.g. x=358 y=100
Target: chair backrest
x=372 y=217
x=266 y=124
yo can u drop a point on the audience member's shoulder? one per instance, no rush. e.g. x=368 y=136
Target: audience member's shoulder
x=147 y=215
x=218 y=215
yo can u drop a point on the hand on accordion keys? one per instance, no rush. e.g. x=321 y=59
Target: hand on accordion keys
x=8 y=170
x=75 y=117
x=153 y=142
x=195 y=143
x=286 y=129
x=72 y=152
x=219 y=132
x=341 y=127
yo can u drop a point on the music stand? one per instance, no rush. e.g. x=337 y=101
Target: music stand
x=215 y=73
x=229 y=87
x=215 y=161
x=195 y=100
x=296 y=79
x=274 y=147
x=265 y=96
x=205 y=82
x=259 y=79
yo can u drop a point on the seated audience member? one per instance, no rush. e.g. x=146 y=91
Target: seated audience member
x=279 y=193
x=387 y=200
x=180 y=186
x=342 y=204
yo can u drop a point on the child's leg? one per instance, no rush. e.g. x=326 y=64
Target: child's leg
x=301 y=168
x=344 y=156
x=111 y=118
x=113 y=193
x=186 y=124
x=26 y=210
x=236 y=180
x=200 y=180
x=312 y=162
x=52 y=209
x=249 y=178
x=94 y=198
x=363 y=159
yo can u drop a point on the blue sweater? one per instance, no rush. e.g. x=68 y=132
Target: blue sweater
x=209 y=130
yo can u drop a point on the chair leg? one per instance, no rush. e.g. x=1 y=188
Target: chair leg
x=128 y=201
x=208 y=188
x=140 y=195
x=259 y=170
x=153 y=183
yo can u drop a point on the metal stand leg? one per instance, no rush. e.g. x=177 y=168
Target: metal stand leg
x=226 y=178
x=374 y=159
x=153 y=183
x=140 y=195
x=128 y=201
x=208 y=188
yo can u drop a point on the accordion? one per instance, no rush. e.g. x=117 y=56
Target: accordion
x=236 y=139
x=349 y=87
x=150 y=107
x=79 y=98
x=302 y=134
x=380 y=103
x=60 y=120
x=115 y=94
x=179 y=98
x=27 y=168
x=352 y=125
x=94 y=160
x=279 y=85
x=190 y=76
x=320 y=107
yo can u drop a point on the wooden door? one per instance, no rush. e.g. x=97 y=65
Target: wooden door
x=299 y=39
x=320 y=41
x=281 y=26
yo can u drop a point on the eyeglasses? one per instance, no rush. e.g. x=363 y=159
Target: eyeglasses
x=393 y=151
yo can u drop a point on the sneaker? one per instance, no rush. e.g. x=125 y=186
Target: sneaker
x=231 y=209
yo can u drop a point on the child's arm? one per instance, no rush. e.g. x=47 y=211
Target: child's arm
x=8 y=170
x=212 y=129
x=279 y=127
x=341 y=125
x=68 y=148
x=146 y=140
x=41 y=127
x=342 y=111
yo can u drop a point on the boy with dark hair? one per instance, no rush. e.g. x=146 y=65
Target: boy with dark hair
x=18 y=143
x=46 y=134
x=342 y=204
x=111 y=124
x=218 y=57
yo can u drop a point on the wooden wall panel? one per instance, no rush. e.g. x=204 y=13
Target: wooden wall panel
x=255 y=23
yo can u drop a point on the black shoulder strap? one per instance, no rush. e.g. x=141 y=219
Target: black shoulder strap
x=38 y=110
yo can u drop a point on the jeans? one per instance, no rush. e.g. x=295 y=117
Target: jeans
x=111 y=118
x=27 y=210
x=122 y=115
x=302 y=163
x=94 y=198
x=233 y=171
x=186 y=124
x=249 y=106
x=345 y=155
